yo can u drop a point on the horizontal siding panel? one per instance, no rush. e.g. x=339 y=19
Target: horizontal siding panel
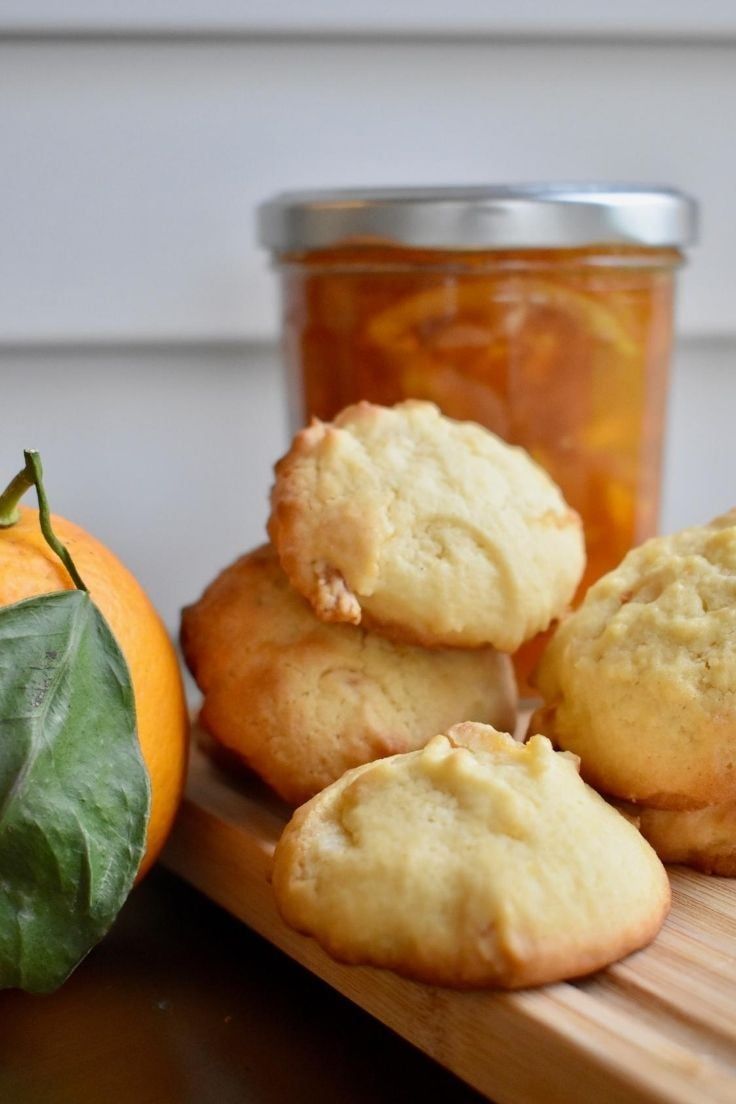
x=627 y=18
x=131 y=170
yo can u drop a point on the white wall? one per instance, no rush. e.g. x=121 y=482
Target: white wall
x=630 y=19
x=136 y=139
x=131 y=169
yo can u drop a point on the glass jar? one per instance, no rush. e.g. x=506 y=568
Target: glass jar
x=543 y=312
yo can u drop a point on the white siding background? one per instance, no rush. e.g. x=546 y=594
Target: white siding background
x=137 y=315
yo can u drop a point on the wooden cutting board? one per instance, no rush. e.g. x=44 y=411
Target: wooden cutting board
x=660 y=1026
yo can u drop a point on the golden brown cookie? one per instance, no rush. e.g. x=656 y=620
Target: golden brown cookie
x=476 y=861
x=702 y=838
x=640 y=681
x=430 y=530
x=301 y=701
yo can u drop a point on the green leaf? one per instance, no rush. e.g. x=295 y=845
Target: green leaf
x=74 y=791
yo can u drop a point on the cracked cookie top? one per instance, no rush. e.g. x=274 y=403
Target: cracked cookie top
x=640 y=680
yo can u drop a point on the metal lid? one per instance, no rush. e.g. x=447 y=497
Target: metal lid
x=519 y=216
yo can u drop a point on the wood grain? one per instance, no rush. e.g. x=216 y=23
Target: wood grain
x=658 y=1026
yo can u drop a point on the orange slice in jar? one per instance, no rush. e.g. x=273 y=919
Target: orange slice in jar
x=485 y=313
x=513 y=352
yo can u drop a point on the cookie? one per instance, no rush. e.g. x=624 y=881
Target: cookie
x=301 y=701
x=702 y=838
x=476 y=861
x=427 y=529
x=639 y=681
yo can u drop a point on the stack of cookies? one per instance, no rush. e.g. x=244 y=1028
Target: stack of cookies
x=640 y=682
x=409 y=555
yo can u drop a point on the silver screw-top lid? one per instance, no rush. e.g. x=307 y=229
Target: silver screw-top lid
x=519 y=216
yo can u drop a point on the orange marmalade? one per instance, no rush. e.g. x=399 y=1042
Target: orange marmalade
x=563 y=350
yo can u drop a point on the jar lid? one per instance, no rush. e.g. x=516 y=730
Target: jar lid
x=519 y=216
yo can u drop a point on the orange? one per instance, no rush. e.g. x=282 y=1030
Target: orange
x=29 y=567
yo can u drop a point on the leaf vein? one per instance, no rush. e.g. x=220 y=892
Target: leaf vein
x=70 y=648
